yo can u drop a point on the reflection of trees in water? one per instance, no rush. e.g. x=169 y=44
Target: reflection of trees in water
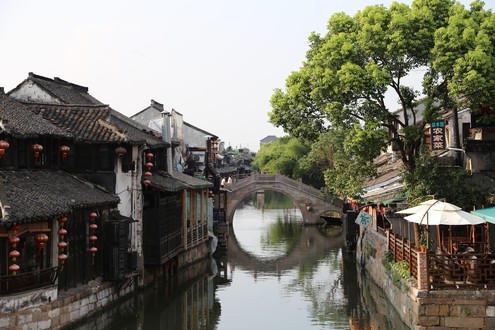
x=338 y=291
x=271 y=200
x=321 y=283
x=359 y=318
x=382 y=314
x=284 y=234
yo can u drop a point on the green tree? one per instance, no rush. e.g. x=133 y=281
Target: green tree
x=342 y=85
x=430 y=178
x=462 y=71
x=282 y=157
x=331 y=161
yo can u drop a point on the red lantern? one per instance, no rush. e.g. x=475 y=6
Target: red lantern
x=64 y=151
x=14 y=254
x=149 y=156
x=93 y=238
x=121 y=151
x=93 y=226
x=14 y=268
x=14 y=240
x=93 y=215
x=149 y=166
x=61 y=258
x=62 y=245
x=61 y=221
x=93 y=250
x=146 y=183
x=14 y=228
x=37 y=148
x=147 y=174
x=41 y=239
x=62 y=232
x=3 y=146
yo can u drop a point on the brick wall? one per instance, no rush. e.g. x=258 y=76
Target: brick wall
x=69 y=307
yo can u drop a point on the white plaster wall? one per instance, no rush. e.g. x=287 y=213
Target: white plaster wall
x=194 y=138
x=28 y=299
x=146 y=116
x=129 y=189
x=30 y=92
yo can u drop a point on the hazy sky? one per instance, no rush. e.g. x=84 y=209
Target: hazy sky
x=217 y=62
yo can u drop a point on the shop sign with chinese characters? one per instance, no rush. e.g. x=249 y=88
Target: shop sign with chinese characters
x=438 y=135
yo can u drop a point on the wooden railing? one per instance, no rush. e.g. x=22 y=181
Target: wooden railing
x=462 y=270
x=402 y=249
x=196 y=235
x=457 y=270
x=26 y=281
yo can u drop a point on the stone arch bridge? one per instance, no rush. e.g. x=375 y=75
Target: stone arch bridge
x=309 y=200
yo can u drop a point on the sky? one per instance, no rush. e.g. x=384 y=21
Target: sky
x=216 y=62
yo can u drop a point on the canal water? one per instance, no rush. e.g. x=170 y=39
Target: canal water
x=276 y=274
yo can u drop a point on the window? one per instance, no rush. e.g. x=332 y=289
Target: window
x=104 y=158
x=84 y=157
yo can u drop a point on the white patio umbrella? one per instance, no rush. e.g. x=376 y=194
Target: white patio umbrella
x=425 y=206
x=442 y=213
x=445 y=214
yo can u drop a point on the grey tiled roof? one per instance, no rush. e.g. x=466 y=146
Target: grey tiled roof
x=163 y=181
x=97 y=124
x=78 y=114
x=191 y=181
x=19 y=120
x=35 y=196
x=64 y=91
x=136 y=131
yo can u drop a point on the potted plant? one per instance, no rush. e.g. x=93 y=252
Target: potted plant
x=423 y=242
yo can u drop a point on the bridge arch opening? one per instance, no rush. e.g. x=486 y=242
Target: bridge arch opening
x=265 y=225
x=262 y=198
x=308 y=200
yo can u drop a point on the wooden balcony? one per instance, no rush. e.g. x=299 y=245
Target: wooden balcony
x=10 y=284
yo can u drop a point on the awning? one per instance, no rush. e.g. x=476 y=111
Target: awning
x=394 y=200
x=487 y=214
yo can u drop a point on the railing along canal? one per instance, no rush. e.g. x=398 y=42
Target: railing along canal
x=457 y=270
x=196 y=235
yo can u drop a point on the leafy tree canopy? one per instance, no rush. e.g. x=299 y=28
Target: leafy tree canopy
x=463 y=60
x=340 y=88
x=281 y=156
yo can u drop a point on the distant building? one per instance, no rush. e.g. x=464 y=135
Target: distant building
x=190 y=143
x=267 y=139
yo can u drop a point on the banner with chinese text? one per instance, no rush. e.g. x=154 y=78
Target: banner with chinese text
x=438 y=135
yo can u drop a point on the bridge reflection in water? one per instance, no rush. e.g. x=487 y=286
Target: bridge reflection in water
x=310 y=283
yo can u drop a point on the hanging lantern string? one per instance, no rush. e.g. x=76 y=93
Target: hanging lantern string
x=62 y=245
x=93 y=238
